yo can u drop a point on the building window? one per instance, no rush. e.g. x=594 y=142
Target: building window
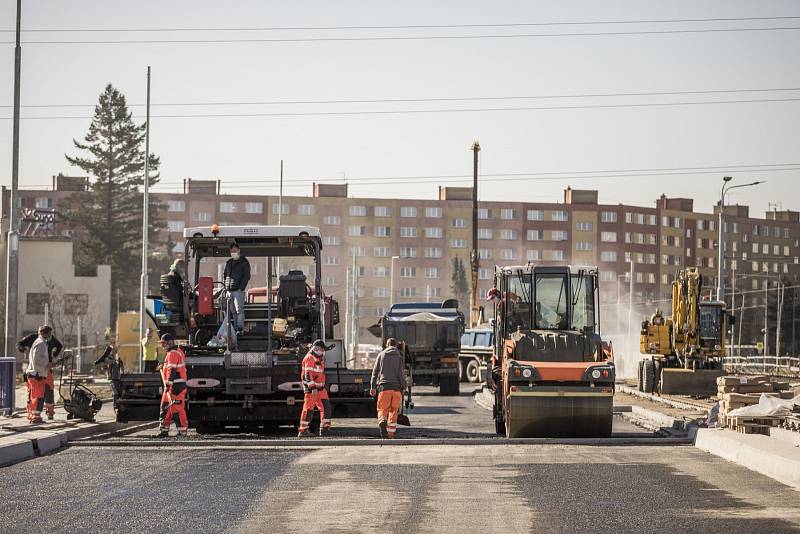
x=608 y=255
x=306 y=209
x=408 y=291
x=332 y=240
x=484 y=274
x=408 y=211
x=253 y=207
x=484 y=253
x=432 y=272
x=434 y=232
x=651 y=239
x=640 y=218
x=381 y=252
x=508 y=214
x=484 y=233
x=608 y=237
x=534 y=255
x=508 y=234
x=175 y=226
x=701 y=224
x=76 y=303
x=433 y=213
x=628 y=217
x=332 y=220
x=329 y=280
x=458 y=223
x=534 y=235
x=559 y=215
x=558 y=235
x=356 y=230
x=433 y=252
x=583 y=245
x=380 y=292
x=227 y=207
x=330 y=260
x=608 y=276
x=383 y=211
x=458 y=243
x=584 y=226
x=35 y=302
x=608 y=217
x=535 y=215
x=408 y=272
x=358 y=252
x=652 y=220
x=408 y=231
x=382 y=272
x=508 y=254
x=201 y=216
x=484 y=214
x=176 y=205
x=382 y=231
x=282 y=208
x=408 y=252
x=358 y=211
x=555 y=255
x=44 y=202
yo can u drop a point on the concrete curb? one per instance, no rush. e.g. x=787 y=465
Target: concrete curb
x=769 y=456
x=13 y=450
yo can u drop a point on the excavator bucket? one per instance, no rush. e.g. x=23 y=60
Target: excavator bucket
x=701 y=382
x=559 y=414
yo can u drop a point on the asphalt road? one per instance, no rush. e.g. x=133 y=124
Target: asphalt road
x=412 y=488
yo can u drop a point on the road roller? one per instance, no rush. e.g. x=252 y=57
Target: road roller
x=552 y=375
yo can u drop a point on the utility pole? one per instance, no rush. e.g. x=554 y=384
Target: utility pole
x=473 y=258
x=766 y=322
x=145 y=226
x=779 y=316
x=630 y=312
x=720 y=239
x=12 y=270
x=280 y=212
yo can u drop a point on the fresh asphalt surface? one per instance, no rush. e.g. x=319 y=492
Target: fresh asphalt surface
x=412 y=488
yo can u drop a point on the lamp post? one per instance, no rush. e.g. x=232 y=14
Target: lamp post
x=720 y=239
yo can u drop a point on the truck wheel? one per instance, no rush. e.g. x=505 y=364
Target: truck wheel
x=639 y=384
x=462 y=371
x=499 y=422
x=648 y=376
x=448 y=385
x=474 y=371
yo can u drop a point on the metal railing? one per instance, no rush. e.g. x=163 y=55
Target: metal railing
x=770 y=365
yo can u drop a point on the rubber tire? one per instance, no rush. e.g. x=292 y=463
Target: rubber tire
x=449 y=386
x=462 y=371
x=648 y=376
x=499 y=422
x=639 y=385
x=473 y=371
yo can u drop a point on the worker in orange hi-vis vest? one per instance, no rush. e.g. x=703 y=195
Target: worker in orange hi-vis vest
x=173 y=399
x=388 y=383
x=312 y=376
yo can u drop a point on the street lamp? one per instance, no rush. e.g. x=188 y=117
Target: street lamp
x=391 y=281
x=720 y=239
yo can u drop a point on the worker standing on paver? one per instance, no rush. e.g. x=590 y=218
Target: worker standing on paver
x=150 y=351
x=236 y=278
x=388 y=383
x=36 y=374
x=173 y=399
x=312 y=375
x=54 y=348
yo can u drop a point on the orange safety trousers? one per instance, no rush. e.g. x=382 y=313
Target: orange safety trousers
x=36 y=391
x=389 y=402
x=174 y=405
x=316 y=398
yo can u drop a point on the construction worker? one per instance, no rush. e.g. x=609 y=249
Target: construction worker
x=388 y=383
x=150 y=351
x=36 y=374
x=173 y=399
x=312 y=375
x=54 y=348
x=236 y=277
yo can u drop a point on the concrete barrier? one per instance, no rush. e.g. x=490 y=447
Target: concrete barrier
x=13 y=450
x=766 y=455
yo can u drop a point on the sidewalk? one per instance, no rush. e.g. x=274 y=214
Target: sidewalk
x=20 y=440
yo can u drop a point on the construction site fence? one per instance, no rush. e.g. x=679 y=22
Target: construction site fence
x=770 y=365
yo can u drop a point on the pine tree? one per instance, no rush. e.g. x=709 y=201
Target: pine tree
x=108 y=216
x=458 y=281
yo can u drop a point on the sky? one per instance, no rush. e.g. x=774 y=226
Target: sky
x=632 y=148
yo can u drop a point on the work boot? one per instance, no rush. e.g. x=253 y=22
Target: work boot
x=304 y=433
x=324 y=430
x=382 y=427
x=163 y=433
x=36 y=421
x=49 y=417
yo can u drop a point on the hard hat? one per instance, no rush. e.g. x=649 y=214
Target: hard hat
x=167 y=337
x=322 y=345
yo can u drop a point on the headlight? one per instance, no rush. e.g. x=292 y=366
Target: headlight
x=527 y=373
x=333 y=388
x=596 y=373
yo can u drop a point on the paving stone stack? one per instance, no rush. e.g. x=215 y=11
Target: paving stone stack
x=740 y=391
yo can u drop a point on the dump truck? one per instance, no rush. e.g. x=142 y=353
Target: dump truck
x=475 y=353
x=683 y=352
x=550 y=375
x=251 y=379
x=430 y=333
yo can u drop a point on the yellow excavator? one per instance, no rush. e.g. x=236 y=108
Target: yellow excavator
x=684 y=351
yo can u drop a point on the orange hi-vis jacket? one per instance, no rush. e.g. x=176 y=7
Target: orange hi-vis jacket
x=173 y=370
x=312 y=373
